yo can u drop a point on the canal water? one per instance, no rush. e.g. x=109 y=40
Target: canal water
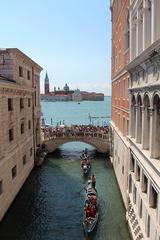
x=50 y=204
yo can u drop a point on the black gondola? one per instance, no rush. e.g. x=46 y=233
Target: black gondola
x=90 y=222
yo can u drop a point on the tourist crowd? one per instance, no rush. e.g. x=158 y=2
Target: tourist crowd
x=74 y=130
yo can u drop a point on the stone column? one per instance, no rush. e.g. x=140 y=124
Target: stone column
x=137 y=34
x=140 y=30
x=149 y=193
x=153 y=22
x=158 y=208
x=146 y=25
x=138 y=124
x=153 y=125
x=132 y=123
x=133 y=37
x=157 y=19
x=145 y=126
x=131 y=40
x=143 y=122
x=136 y=121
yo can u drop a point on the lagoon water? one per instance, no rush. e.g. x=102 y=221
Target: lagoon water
x=50 y=204
x=74 y=113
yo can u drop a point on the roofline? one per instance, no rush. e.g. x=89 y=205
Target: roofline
x=7 y=79
x=111 y=4
x=21 y=53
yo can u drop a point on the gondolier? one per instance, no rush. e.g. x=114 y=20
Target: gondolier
x=93 y=179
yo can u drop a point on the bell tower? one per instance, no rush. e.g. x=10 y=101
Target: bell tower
x=46 y=84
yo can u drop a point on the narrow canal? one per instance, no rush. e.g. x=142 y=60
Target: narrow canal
x=50 y=204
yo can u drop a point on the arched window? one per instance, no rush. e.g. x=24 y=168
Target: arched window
x=155 y=149
x=126 y=34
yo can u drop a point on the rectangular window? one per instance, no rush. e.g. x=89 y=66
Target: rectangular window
x=124 y=88
x=24 y=160
x=29 y=124
x=137 y=173
x=30 y=152
x=21 y=103
x=127 y=86
x=10 y=104
x=22 y=128
x=134 y=194
x=123 y=127
x=123 y=170
x=28 y=75
x=130 y=183
x=20 y=71
x=1 y=187
x=153 y=198
x=132 y=164
x=145 y=184
x=148 y=227
x=140 y=210
x=29 y=102
x=35 y=99
x=14 y=172
x=127 y=126
x=11 y=134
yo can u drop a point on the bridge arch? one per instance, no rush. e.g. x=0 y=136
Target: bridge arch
x=101 y=145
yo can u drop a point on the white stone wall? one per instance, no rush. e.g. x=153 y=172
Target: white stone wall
x=141 y=200
x=120 y=158
x=144 y=136
x=20 y=151
x=144 y=25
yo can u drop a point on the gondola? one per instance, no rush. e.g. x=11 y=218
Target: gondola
x=90 y=222
x=85 y=163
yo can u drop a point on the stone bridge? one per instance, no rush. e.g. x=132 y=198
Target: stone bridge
x=98 y=140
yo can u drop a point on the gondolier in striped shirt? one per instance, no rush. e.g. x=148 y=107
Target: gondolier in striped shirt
x=93 y=179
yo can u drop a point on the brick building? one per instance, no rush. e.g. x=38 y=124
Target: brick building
x=120 y=98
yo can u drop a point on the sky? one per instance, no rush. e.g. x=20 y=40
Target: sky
x=70 y=39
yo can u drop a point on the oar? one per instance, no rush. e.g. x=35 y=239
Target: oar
x=81 y=190
x=84 y=188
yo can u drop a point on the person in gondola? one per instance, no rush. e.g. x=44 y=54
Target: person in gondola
x=89 y=211
x=87 y=161
x=93 y=179
x=87 y=201
x=85 y=151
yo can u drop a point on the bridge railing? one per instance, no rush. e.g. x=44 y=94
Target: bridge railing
x=75 y=135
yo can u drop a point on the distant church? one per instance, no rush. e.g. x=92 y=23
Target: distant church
x=65 y=90
x=66 y=94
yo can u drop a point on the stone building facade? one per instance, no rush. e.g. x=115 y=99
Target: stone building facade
x=144 y=136
x=120 y=97
x=20 y=114
x=142 y=68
